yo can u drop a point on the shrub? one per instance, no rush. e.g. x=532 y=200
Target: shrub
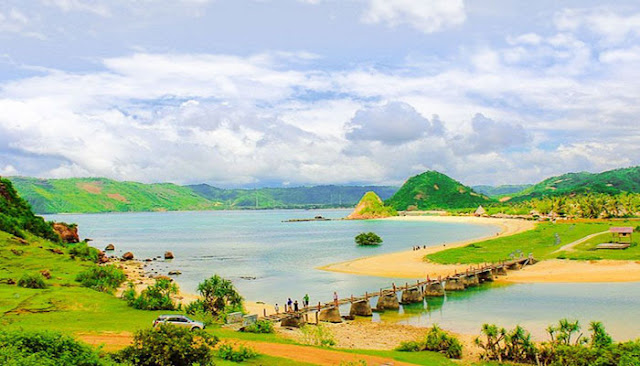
x=261 y=326
x=369 y=238
x=410 y=346
x=228 y=352
x=102 y=278
x=439 y=341
x=154 y=297
x=83 y=251
x=218 y=296
x=46 y=348
x=168 y=345
x=32 y=280
x=317 y=335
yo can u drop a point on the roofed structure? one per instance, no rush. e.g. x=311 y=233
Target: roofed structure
x=621 y=232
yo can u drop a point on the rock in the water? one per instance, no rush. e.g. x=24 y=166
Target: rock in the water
x=330 y=315
x=127 y=256
x=295 y=321
x=110 y=247
x=174 y=273
x=67 y=233
x=168 y=255
x=147 y=260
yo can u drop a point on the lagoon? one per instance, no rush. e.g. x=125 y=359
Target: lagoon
x=270 y=260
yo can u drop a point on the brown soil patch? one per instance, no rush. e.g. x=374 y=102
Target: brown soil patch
x=94 y=188
x=111 y=341
x=118 y=197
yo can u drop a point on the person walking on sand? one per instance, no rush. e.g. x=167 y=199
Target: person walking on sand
x=335 y=298
x=305 y=300
x=277 y=309
x=295 y=306
x=289 y=304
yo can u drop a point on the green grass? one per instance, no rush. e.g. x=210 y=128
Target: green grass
x=418 y=358
x=540 y=241
x=262 y=360
x=588 y=251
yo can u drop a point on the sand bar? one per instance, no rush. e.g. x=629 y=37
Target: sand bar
x=410 y=264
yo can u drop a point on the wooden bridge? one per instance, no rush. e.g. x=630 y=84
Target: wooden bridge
x=411 y=293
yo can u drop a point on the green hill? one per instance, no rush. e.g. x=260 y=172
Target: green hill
x=432 y=190
x=75 y=195
x=303 y=197
x=17 y=218
x=610 y=182
x=371 y=207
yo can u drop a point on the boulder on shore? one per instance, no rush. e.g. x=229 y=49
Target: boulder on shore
x=67 y=233
x=127 y=256
x=168 y=255
x=110 y=247
x=102 y=257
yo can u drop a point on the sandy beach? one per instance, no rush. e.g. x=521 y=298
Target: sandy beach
x=410 y=264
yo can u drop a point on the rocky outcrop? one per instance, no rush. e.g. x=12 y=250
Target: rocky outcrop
x=127 y=256
x=102 y=257
x=110 y=247
x=67 y=233
x=168 y=255
x=371 y=207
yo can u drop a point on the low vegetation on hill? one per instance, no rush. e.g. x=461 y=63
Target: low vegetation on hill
x=17 y=218
x=432 y=190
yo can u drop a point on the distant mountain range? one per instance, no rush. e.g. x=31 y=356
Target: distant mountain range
x=427 y=191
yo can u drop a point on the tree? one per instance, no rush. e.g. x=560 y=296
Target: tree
x=218 y=293
x=369 y=238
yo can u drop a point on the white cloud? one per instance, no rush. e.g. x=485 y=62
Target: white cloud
x=89 y=6
x=611 y=26
x=425 y=16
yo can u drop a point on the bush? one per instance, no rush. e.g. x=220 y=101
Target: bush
x=410 y=346
x=32 y=280
x=369 y=238
x=83 y=251
x=228 y=352
x=436 y=340
x=102 y=278
x=261 y=326
x=154 y=297
x=46 y=348
x=317 y=335
x=168 y=345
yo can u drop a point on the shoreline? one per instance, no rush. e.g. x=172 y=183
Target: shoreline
x=409 y=264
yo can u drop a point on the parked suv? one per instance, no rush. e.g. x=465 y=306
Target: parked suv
x=178 y=320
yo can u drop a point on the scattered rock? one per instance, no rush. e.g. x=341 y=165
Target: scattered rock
x=17 y=251
x=46 y=274
x=20 y=240
x=161 y=277
x=56 y=250
x=110 y=247
x=247 y=277
x=127 y=256
x=168 y=255
x=174 y=273
x=155 y=259
x=102 y=257
x=67 y=233
x=147 y=260
x=11 y=281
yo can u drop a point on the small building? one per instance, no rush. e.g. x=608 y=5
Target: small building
x=621 y=234
x=480 y=211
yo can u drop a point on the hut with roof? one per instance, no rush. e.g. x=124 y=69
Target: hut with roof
x=480 y=211
x=621 y=234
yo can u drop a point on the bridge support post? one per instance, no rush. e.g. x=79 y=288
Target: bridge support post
x=410 y=296
x=434 y=289
x=331 y=315
x=454 y=284
x=388 y=301
x=295 y=321
x=360 y=308
x=499 y=271
x=486 y=276
x=471 y=280
x=515 y=266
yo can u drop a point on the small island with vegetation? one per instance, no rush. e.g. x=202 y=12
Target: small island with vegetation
x=368 y=239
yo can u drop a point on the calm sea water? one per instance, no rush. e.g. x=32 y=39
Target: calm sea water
x=269 y=260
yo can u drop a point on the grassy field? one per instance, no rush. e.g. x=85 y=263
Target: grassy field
x=542 y=242
x=588 y=251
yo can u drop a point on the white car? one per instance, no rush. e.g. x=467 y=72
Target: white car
x=178 y=320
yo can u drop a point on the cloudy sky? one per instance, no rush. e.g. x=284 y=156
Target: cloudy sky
x=245 y=93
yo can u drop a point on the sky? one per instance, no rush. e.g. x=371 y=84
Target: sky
x=248 y=93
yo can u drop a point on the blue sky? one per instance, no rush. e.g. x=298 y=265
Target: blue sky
x=252 y=93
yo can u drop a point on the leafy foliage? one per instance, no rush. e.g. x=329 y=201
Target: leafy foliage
x=84 y=251
x=235 y=353
x=369 y=238
x=154 y=297
x=260 y=326
x=45 y=348
x=436 y=340
x=432 y=190
x=16 y=216
x=168 y=345
x=102 y=278
x=32 y=280
x=218 y=296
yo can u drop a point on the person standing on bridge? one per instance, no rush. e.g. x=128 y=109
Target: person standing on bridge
x=295 y=306
x=289 y=305
x=335 y=298
x=276 y=308
x=305 y=300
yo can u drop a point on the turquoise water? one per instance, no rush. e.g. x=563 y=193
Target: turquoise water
x=269 y=261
